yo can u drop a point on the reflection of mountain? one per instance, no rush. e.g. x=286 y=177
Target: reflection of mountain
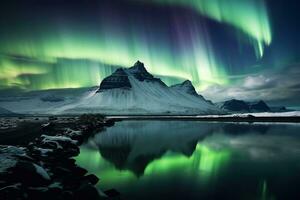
x=132 y=145
x=140 y=143
x=117 y=155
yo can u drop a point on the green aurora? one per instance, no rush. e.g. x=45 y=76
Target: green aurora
x=249 y=16
x=71 y=54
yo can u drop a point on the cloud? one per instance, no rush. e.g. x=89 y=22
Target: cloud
x=260 y=147
x=282 y=85
x=258 y=82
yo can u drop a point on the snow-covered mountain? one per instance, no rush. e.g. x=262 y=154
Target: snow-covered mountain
x=136 y=91
x=126 y=91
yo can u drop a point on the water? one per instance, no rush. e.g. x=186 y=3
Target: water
x=196 y=160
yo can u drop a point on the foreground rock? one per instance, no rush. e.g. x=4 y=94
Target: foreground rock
x=45 y=169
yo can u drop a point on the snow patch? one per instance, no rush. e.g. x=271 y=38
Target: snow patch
x=8 y=157
x=263 y=114
x=56 y=139
x=41 y=171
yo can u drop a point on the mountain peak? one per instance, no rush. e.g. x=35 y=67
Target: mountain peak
x=139 y=64
x=187 y=83
x=120 y=78
x=139 y=71
x=187 y=87
x=236 y=105
x=260 y=106
x=138 y=67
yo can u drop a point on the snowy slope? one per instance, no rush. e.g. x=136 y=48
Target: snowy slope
x=42 y=102
x=4 y=111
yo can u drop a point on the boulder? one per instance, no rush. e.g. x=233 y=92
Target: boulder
x=31 y=173
x=87 y=191
x=92 y=179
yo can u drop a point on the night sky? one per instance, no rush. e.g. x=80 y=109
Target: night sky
x=245 y=49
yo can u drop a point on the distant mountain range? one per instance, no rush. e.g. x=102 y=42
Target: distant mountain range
x=126 y=91
x=241 y=106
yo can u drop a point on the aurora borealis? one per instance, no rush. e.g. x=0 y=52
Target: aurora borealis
x=249 y=16
x=71 y=44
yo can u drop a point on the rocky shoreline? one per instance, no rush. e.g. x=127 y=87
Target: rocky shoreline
x=46 y=168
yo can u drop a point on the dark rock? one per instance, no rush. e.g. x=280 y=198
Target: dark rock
x=87 y=191
x=112 y=193
x=45 y=168
x=37 y=193
x=55 y=190
x=32 y=174
x=92 y=179
x=79 y=171
x=52 y=118
x=73 y=171
x=2 y=182
x=118 y=79
x=109 y=122
x=12 y=192
x=61 y=171
x=68 y=195
x=45 y=193
x=91 y=119
x=72 y=161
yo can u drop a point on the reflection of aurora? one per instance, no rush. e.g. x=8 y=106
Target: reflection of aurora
x=203 y=164
x=204 y=161
x=201 y=158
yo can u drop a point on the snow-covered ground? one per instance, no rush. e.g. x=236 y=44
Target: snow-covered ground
x=262 y=114
x=8 y=156
x=42 y=102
